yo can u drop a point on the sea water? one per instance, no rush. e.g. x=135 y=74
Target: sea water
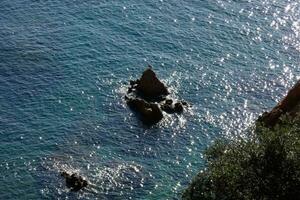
x=65 y=67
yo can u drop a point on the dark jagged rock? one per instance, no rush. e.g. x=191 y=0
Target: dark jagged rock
x=132 y=83
x=184 y=103
x=286 y=106
x=150 y=113
x=144 y=93
x=168 y=107
x=150 y=87
x=130 y=90
x=178 y=107
x=74 y=181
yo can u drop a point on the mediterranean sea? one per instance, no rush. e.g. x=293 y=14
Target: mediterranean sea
x=64 y=70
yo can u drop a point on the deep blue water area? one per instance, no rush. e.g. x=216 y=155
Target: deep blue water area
x=64 y=69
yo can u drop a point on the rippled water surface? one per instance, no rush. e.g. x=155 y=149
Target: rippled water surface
x=63 y=72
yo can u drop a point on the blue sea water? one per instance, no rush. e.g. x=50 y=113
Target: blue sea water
x=64 y=68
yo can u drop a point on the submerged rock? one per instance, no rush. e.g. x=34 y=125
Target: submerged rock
x=150 y=87
x=74 y=181
x=150 y=113
x=288 y=105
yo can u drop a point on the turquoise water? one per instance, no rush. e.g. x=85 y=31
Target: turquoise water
x=64 y=66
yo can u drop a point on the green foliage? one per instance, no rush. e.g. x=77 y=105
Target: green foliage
x=266 y=166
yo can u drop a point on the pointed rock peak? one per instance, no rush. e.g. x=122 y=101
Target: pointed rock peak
x=150 y=86
x=149 y=73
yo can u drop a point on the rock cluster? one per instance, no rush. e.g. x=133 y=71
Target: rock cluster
x=288 y=105
x=147 y=97
x=74 y=181
x=170 y=107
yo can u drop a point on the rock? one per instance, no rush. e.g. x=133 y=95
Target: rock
x=129 y=90
x=184 y=103
x=286 y=106
x=133 y=83
x=150 y=87
x=168 y=107
x=270 y=119
x=169 y=101
x=150 y=113
x=74 y=181
x=178 y=107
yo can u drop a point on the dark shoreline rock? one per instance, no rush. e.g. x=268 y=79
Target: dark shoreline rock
x=74 y=181
x=264 y=167
x=287 y=106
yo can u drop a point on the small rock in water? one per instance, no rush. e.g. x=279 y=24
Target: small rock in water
x=168 y=107
x=74 y=181
x=149 y=112
x=178 y=107
x=184 y=103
